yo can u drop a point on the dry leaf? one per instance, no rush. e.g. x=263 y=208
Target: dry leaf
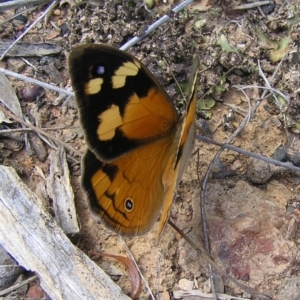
x=35 y=292
x=52 y=34
x=131 y=270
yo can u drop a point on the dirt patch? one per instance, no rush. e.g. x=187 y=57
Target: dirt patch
x=253 y=226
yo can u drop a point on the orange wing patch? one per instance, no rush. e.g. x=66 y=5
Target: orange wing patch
x=144 y=118
x=144 y=189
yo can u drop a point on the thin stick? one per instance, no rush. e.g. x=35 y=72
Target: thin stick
x=18 y=285
x=18 y=14
x=262 y=74
x=30 y=27
x=243 y=87
x=40 y=131
x=138 y=268
x=17 y=3
x=155 y=25
x=37 y=82
x=8 y=131
x=251 y=5
x=248 y=153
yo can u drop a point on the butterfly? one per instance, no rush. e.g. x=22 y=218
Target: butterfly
x=137 y=144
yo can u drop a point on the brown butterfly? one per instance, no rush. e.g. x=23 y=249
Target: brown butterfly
x=138 y=146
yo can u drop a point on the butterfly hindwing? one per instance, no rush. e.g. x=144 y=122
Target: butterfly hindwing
x=128 y=193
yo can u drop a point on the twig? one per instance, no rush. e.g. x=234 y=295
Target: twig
x=54 y=3
x=37 y=82
x=40 y=131
x=181 y=294
x=271 y=89
x=202 y=196
x=8 y=131
x=17 y=3
x=138 y=268
x=262 y=74
x=155 y=25
x=248 y=116
x=158 y=273
x=17 y=14
x=18 y=285
x=236 y=109
x=248 y=153
x=29 y=64
x=251 y=5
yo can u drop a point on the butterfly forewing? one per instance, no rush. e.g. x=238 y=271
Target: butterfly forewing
x=121 y=104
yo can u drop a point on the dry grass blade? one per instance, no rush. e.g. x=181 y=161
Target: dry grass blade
x=18 y=285
x=203 y=296
x=251 y=5
x=137 y=267
x=37 y=82
x=131 y=269
x=17 y=3
x=40 y=131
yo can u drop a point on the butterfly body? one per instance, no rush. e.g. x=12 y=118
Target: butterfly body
x=137 y=144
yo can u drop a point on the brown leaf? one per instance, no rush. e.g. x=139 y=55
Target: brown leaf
x=35 y=292
x=131 y=270
x=52 y=34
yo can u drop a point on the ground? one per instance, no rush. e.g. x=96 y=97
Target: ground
x=252 y=208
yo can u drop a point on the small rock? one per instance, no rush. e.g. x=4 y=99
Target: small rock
x=164 y=296
x=111 y=269
x=236 y=165
x=57 y=12
x=31 y=93
x=38 y=146
x=268 y=8
x=207 y=286
x=16 y=64
x=260 y=172
x=186 y=285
